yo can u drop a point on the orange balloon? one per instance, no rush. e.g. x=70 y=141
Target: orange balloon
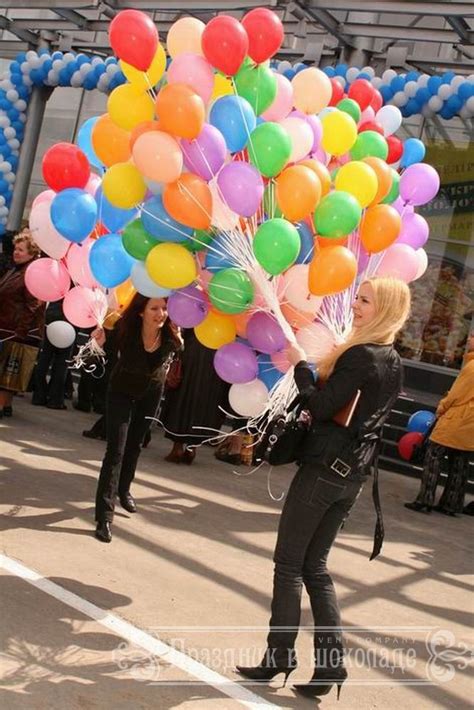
x=297 y=319
x=180 y=111
x=241 y=320
x=379 y=228
x=384 y=177
x=324 y=242
x=189 y=201
x=110 y=142
x=321 y=171
x=144 y=127
x=332 y=270
x=298 y=191
x=124 y=293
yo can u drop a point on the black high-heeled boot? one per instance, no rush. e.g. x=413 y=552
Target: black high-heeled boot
x=272 y=664
x=322 y=682
x=419 y=507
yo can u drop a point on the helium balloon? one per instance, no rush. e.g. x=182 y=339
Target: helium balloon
x=222 y=87
x=321 y=172
x=350 y=107
x=189 y=201
x=236 y=363
x=140 y=129
x=394 y=192
x=332 y=270
x=265 y=334
x=187 y=307
x=85 y=307
x=143 y=283
x=110 y=264
x=241 y=187
x=414 y=230
x=234 y=117
x=123 y=186
x=171 y=265
x=47 y=279
x=422 y=258
x=158 y=156
x=157 y=222
x=128 y=106
x=74 y=214
x=301 y=136
x=111 y=217
x=44 y=233
x=419 y=184
x=185 y=35
x=316 y=340
x=206 y=154
x=384 y=177
x=390 y=118
x=216 y=330
x=408 y=443
x=369 y=143
x=231 y=291
x=276 y=245
x=65 y=165
x=265 y=33
x=136 y=240
x=307 y=243
x=77 y=262
x=269 y=148
x=295 y=290
x=110 y=142
x=379 y=228
x=84 y=141
x=399 y=261
x=395 y=149
x=249 y=399
x=312 y=90
x=180 y=110
x=337 y=215
x=145 y=80
x=339 y=132
x=60 y=334
x=283 y=101
x=267 y=372
x=134 y=38
x=194 y=71
x=358 y=179
x=421 y=421
x=298 y=191
x=362 y=92
x=225 y=43
x=257 y=84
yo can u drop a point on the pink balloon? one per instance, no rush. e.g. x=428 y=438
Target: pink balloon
x=367 y=114
x=283 y=101
x=314 y=123
x=280 y=361
x=85 y=307
x=47 y=279
x=193 y=70
x=93 y=184
x=399 y=261
x=422 y=257
x=45 y=196
x=322 y=156
x=44 y=233
x=415 y=230
x=77 y=262
x=301 y=135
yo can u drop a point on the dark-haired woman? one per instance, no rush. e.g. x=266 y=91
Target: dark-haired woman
x=146 y=341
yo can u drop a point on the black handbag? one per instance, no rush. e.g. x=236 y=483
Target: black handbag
x=283 y=438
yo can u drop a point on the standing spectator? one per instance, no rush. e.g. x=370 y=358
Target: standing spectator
x=21 y=314
x=452 y=437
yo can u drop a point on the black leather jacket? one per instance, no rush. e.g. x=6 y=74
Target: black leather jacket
x=375 y=370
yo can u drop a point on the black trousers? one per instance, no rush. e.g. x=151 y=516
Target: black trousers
x=56 y=359
x=126 y=425
x=317 y=504
x=456 y=463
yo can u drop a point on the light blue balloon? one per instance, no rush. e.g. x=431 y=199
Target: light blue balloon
x=413 y=152
x=235 y=118
x=110 y=263
x=84 y=141
x=144 y=284
x=217 y=257
x=160 y=225
x=74 y=214
x=307 y=243
x=267 y=372
x=114 y=218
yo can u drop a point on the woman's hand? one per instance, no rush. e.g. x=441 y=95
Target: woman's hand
x=295 y=354
x=99 y=336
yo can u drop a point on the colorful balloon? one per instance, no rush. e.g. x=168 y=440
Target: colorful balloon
x=283 y=101
x=65 y=165
x=189 y=201
x=216 y=330
x=362 y=92
x=408 y=443
x=241 y=187
x=84 y=141
x=143 y=283
x=276 y=245
x=312 y=90
x=128 y=106
x=137 y=241
x=249 y=399
x=384 y=177
x=337 y=215
x=321 y=172
x=231 y=291
x=110 y=142
x=358 y=179
x=180 y=110
x=225 y=43
x=47 y=279
x=269 y=148
x=158 y=156
x=194 y=71
x=394 y=191
x=234 y=117
x=77 y=262
x=379 y=228
x=258 y=85
x=185 y=36
x=419 y=184
x=236 y=363
x=206 y=154
x=316 y=340
x=332 y=270
x=171 y=265
x=301 y=137
x=265 y=33
x=110 y=264
x=350 y=107
x=187 y=307
x=295 y=290
x=44 y=233
x=85 y=307
x=395 y=149
x=134 y=38
x=399 y=261
x=145 y=80
x=298 y=191
x=339 y=132
x=157 y=222
x=369 y=143
x=265 y=334
x=74 y=214
x=123 y=186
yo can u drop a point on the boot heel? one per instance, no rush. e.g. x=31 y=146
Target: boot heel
x=287 y=675
x=339 y=686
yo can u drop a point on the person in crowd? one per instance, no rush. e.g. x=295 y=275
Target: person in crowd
x=146 y=340
x=21 y=315
x=334 y=462
x=453 y=439
x=54 y=360
x=192 y=411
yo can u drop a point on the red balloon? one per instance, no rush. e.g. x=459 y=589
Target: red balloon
x=225 y=44
x=407 y=443
x=134 y=38
x=337 y=92
x=395 y=149
x=265 y=32
x=362 y=92
x=377 y=101
x=65 y=165
x=371 y=126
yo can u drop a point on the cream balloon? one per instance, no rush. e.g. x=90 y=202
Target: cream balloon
x=312 y=90
x=185 y=36
x=249 y=399
x=294 y=289
x=158 y=156
x=301 y=137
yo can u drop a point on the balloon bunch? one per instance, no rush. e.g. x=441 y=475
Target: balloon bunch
x=255 y=203
x=418 y=426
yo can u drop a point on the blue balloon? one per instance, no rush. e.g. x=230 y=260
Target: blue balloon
x=434 y=82
x=466 y=90
x=90 y=81
x=74 y=214
x=423 y=95
x=112 y=217
x=446 y=113
x=3 y=186
x=421 y=421
x=267 y=372
x=110 y=263
x=454 y=104
x=289 y=74
x=329 y=71
x=341 y=69
x=412 y=76
x=143 y=283
x=412 y=107
x=413 y=152
x=84 y=141
x=157 y=222
x=386 y=93
x=307 y=243
x=364 y=75
x=397 y=84
x=217 y=257
x=234 y=117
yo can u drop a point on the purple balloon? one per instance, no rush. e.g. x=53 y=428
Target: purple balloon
x=205 y=155
x=363 y=260
x=419 y=184
x=414 y=231
x=265 y=334
x=236 y=363
x=241 y=186
x=187 y=307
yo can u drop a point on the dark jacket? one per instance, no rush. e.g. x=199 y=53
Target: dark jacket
x=20 y=312
x=376 y=371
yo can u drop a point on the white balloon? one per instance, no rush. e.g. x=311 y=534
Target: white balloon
x=9 y=133
x=111 y=69
x=27 y=81
x=96 y=61
x=143 y=283
x=370 y=71
x=294 y=289
x=411 y=87
x=249 y=399
x=3 y=211
x=388 y=75
x=2 y=201
x=435 y=103
x=76 y=80
x=21 y=105
x=25 y=68
x=457 y=81
x=422 y=262
x=13 y=95
x=400 y=99
x=31 y=55
x=325 y=111
x=14 y=143
x=390 y=118
x=4 y=121
x=470 y=104
x=341 y=80
x=3 y=220
x=53 y=77
x=61 y=334
x=377 y=82
x=423 y=80
x=103 y=83
x=10 y=177
x=352 y=73
x=69 y=57
x=445 y=91
x=464 y=112
x=427 y=112
x=301 y=137
x=5 y=167
x=58 y=64
x=284 y=66
x=85 y=69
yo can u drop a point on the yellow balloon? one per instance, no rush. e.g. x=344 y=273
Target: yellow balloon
x=170 y=265
x=312 y=90
x=128 y=106
x=124 y=293
x=222 y=87
x=216 y=330
x=144 y=80
x=339 y=132
x=359 y=179
x=123 y=186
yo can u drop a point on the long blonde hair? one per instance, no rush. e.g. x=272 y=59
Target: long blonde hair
x=392 y=307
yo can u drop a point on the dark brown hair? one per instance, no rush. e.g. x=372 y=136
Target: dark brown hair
x=129 y=326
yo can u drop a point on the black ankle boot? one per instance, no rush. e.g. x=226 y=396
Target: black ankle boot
x=419 y=507
x=103 y=532
x=322 y=681
x=272 y=664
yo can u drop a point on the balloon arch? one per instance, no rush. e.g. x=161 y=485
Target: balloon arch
x=413 y=93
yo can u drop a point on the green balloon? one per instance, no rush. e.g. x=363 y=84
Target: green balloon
x=276 y=245
x=137 y=241
x=257 y=84
x=337 y=215
x=231 y=290
x=369 y=143
x=269 y=148
x=394 y=191
x=351 y=107
x=270 y=204
x=200 y=240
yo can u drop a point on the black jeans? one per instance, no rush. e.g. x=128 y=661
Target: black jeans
x=317 y=504
x=56 y=358
x=125 y=428
x=457 y=468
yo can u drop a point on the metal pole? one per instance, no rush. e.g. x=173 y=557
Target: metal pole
x=36 y=108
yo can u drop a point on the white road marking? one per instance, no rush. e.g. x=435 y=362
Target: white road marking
x=138 y=637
